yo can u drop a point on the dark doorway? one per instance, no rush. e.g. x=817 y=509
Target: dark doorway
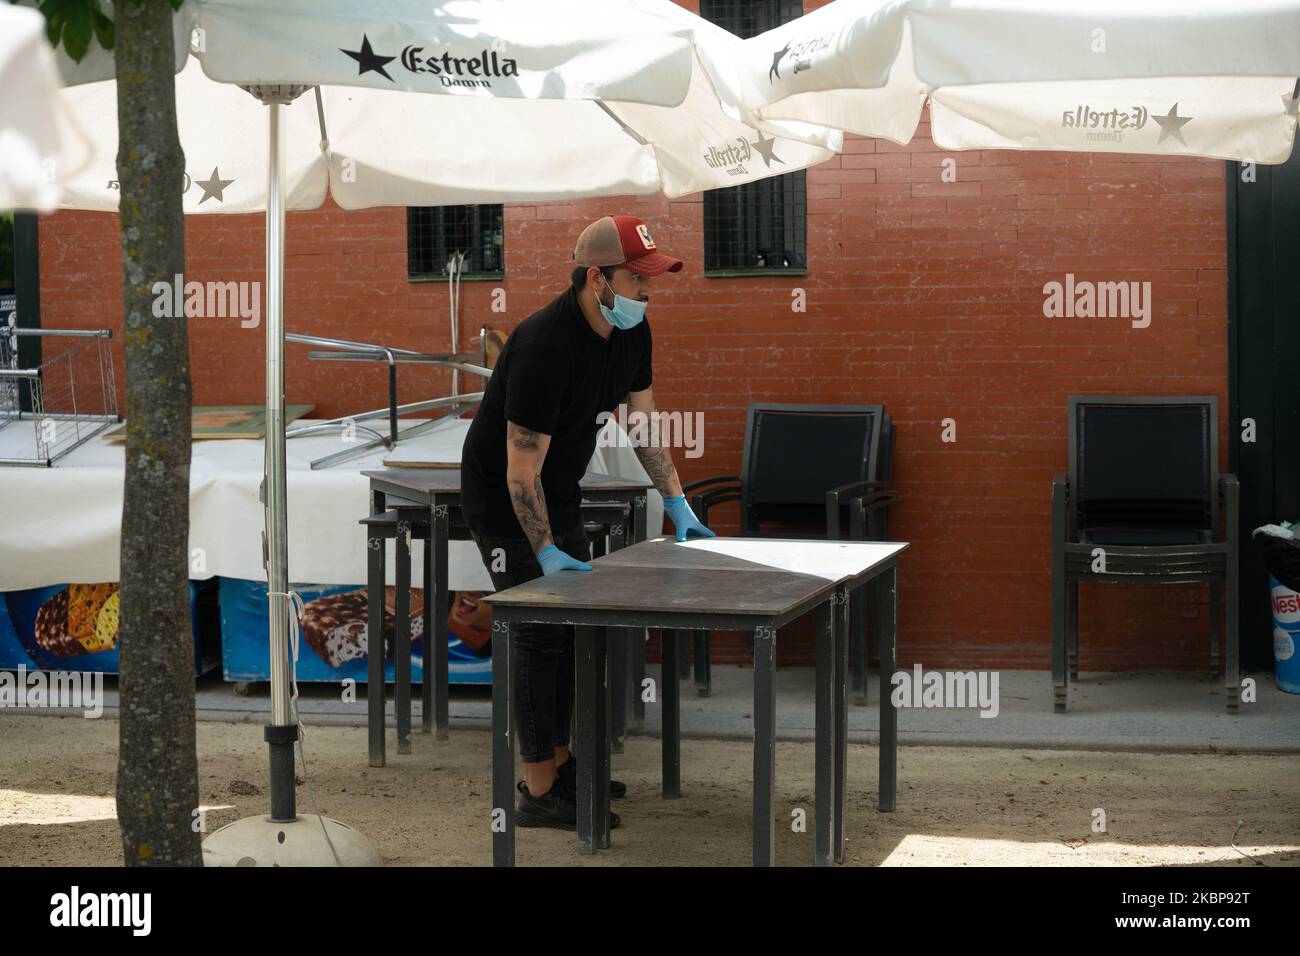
x=1264 y=372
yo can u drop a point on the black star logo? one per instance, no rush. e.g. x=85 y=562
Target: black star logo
x=776 y=63
x=765 y=149
x=368 y=61
x=213 y=186
x=1171 y=124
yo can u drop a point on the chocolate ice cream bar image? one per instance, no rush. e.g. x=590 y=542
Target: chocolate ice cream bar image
x=335 y=627
x=52 y=628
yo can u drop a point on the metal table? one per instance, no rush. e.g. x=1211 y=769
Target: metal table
x=437 y=491
x=722 y=583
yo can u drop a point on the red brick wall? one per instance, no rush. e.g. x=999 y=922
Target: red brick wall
x=921 y=294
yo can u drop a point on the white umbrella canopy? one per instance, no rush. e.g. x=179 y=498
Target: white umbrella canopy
x=1162 y=77
x=538 y=102
x=39 y=141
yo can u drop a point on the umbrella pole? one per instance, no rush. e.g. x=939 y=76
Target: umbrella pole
x=282 y=732
x=283 y=838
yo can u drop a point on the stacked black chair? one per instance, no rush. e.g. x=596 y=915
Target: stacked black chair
x=868 y=505
x=1144 y=502
x=807 y=471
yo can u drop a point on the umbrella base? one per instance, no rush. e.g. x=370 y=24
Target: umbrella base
x=258 y=841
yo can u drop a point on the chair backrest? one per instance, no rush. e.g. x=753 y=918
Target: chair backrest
x=794 y=454
x=1145 y=469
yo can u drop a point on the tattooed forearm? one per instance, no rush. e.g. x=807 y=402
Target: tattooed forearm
x=530 y=507
x=525 y=453
x=658 y=464
x=522 y=438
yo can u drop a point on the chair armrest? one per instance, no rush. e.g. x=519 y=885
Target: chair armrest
x=701 y=504
x=866 y=495
x=855 y=488
x=878 y=501
x=687 y=489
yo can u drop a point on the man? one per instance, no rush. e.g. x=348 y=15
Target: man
x=530 y=442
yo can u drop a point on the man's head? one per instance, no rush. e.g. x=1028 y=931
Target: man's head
x=617 y=252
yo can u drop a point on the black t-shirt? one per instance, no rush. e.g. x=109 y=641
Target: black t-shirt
x=554 y=375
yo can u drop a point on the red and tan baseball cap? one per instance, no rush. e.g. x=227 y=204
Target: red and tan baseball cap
x=622 y=241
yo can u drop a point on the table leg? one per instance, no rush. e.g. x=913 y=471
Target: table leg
x=617 y=639
x=636 y=677
x=841 y=625
x=584 y=742
x=860 y=654
x=426 y=670
x=617 y=643
x=639 y=509
x=375 y=553
x=888 y=651
x=825 y=719
x=670 y=707
x=703 y=673
x=437 y=636
x=602 y=741
x=402 y=650
x=503 y=747
x=764 y=824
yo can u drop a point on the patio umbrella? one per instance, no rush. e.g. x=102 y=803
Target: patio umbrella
x=422 y=103
x=646 y=99
x=39 y=141
x=1193 y=77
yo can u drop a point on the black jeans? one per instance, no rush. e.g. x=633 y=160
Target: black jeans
x=544 y=653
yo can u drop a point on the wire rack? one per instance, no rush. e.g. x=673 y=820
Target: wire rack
x=69 y=398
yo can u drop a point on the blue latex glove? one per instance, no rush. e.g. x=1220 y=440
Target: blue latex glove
x=552 y=559
x=684 y=519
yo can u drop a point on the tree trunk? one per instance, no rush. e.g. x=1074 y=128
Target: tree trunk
x=157 y=769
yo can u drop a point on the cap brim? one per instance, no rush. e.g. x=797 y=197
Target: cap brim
x=653 y=264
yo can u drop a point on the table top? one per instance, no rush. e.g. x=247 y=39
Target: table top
x=664 y=590
x=742 y=577
x=834 y=561
x=426 y=481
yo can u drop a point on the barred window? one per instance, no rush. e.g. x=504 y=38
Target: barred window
x=749 y=18
x=759 y=226
x=435 y=233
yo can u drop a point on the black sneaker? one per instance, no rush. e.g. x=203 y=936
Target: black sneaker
x=568 y=772
x=556 y=808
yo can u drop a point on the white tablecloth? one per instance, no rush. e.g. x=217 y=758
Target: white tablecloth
x=62 y=524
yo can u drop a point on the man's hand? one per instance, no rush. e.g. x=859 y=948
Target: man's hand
x=552 y=559
x=684 y=519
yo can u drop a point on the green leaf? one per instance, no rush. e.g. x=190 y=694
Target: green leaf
x=53 y=21
x=104 y=30
x=79 y=28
